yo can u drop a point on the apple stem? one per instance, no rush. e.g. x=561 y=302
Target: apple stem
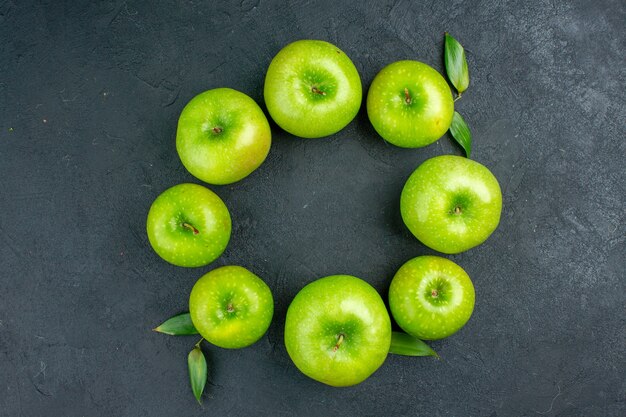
x=317 y=91
x=190 y=227
x=407 y=96
x=339 y=342
x=457 y=210
x=199 y=341
x=457 y=97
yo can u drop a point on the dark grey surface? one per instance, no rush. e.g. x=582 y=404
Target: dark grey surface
x=89 y=99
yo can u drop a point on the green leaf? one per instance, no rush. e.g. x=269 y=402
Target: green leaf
x=461 y=133
x=407 y=345
x=179 y=325
x=197 y=371
x=456 y=64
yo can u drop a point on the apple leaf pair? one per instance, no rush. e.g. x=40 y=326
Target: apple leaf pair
x=181 y=325
x=458 y=74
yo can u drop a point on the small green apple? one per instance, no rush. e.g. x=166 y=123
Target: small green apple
x=451 y=203
x=338 y=330
x=231 y=307
x=410 y=104
x=312 y=89
x=222 y=136
x=188 y=225
x=431 y=297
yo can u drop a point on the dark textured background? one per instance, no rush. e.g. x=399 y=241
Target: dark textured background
x=89 y=100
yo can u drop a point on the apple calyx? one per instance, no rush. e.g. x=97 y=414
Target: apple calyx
x=457 y=210
x=316 y=90
x=217 y=130
x=230 y=308
x=434 y=293
x=190 y=227
x=339 y=342
x=407 y=96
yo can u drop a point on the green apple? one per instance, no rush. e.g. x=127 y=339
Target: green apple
x=188 y=225
x=338 y=330
x=312 y=89
x=410 y=104
x=222 y=136
x=431 y=297
x=451 y=203
x=231 y=307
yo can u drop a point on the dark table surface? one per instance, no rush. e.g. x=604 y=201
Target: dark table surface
x=90 y=95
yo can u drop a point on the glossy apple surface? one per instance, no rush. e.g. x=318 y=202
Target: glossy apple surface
x=451 y=204
x=338 y=330
x=222 y=136
x=188 y=225
x=312 y=89
x=231 y=307
x=410 y=104
x=431 y=297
